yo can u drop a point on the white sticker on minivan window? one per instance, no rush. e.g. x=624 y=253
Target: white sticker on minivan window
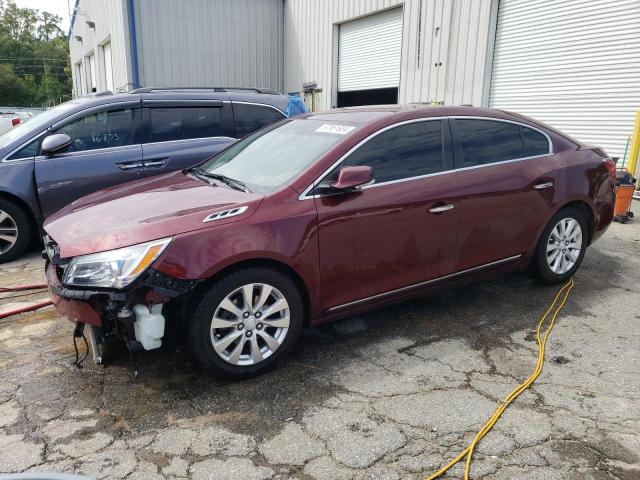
x=333 y=128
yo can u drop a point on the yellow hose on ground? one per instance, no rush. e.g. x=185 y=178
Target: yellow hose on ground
x=542 y=343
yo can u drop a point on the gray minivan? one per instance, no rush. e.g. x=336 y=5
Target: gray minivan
x=100 y=140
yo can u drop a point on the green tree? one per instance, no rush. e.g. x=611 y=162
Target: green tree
x=34 y=57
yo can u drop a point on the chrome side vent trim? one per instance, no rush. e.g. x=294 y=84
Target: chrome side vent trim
x=225 y=214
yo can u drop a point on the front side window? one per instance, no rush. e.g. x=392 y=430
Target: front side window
x=488 y=141
x=405 y=151
x=250 y=118
x=28 y=151
x=183 y=123
x=273 y=156
x=108 y=129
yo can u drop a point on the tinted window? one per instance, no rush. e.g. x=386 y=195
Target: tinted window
x=486 y=141
x=250 y=118
x=402 y=152
x=114 y=128
x=535 y=143
x=28 y=151
x=183 y=123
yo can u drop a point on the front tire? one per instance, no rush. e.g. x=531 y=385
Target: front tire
x=561 y=247
x=246 y=322
x=15 y=231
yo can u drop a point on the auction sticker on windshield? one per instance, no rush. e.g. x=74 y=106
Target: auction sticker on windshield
x=332 y=128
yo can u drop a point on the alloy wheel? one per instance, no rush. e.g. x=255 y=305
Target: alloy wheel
x=250 y=324
x=564 y=245
x=8 y=232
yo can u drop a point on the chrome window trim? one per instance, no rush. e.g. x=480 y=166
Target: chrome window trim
x=5 y=159
x=423 y=284
x=83 y=153
x=219 y=137
x=258 y=105
x=305 y=194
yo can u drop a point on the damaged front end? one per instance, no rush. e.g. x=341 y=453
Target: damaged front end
x=115 y=294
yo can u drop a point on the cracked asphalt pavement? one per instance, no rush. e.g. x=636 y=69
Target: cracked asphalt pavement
x=393 y=394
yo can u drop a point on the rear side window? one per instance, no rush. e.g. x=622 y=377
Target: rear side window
x=28 y=151
x=488 y=141
x=182 y=123
x=250 y=118
x=535 y=143
x=406 y=151
x=108 y=129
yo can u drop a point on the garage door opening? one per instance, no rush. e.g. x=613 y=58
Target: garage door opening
x=369 y=53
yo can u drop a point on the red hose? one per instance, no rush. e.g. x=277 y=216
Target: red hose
x=26 y=308
x=19 y=288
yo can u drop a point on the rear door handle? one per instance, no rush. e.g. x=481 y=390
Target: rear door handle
x=442 y=208
x=156 y=163
x=543 y=186
x=129 y=165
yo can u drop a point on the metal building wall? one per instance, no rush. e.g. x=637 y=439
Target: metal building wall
x=444 y=46
x=110 y=18
x=210 y=43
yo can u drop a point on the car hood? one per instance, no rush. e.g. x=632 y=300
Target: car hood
x=141 y=211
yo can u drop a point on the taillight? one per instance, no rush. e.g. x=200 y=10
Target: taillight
x=611 y=166
x=15 y=122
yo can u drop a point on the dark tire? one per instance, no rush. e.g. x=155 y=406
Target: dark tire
x=549 y=269
x=15 y=231
x=255 y=331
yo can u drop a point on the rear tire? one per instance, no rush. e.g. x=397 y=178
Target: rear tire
x=561 y=247
x=253 y=316
x=15 y=231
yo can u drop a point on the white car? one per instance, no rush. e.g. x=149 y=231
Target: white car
x=8 y=121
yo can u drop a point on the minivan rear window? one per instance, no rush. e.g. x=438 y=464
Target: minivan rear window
x=182 y=123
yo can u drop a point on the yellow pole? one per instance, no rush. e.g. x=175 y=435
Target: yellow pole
x=635 y=148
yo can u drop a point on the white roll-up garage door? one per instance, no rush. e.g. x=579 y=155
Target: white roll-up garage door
x=369 y=52
x=573 y=64
x=108 y=68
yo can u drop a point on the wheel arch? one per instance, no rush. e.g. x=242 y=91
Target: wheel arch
x=264 y=263
x=586 y=211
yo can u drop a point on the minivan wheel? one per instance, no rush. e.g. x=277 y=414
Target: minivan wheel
x=561 y=247
x=246 y=322
x=15 y=231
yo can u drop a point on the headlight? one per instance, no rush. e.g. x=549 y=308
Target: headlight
x=114 y=268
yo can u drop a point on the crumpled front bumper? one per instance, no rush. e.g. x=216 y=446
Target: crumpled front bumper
x=72 y=308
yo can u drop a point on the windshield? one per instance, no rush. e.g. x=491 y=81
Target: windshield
x=276 y=154
x=38 y=122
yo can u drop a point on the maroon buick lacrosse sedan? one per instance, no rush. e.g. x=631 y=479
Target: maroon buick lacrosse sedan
x=323 y=216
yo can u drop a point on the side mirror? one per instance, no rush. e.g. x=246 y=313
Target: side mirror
x=55 y=143
x=352 y=177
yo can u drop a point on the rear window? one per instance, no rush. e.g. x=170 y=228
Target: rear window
x=182 y=123
x=488 y=141
x=250 y=118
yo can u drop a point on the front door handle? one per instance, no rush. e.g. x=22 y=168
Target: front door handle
x=442 y=208
x=156 y=163
x=543 y=186
x=129 y=165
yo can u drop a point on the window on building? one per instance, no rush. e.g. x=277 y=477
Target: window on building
x=535 y=143
x=108 y=67
x=250 y=118
x=78 y=78
x=90 y=72
x=181 y=123
x=406 y=151
x=112 y=128
x=488 y=141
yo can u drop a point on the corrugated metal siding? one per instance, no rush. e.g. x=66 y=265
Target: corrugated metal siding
x=573 y=64
x=443 y=46
x=210 y=43
x=369 y=52
x=110 y=20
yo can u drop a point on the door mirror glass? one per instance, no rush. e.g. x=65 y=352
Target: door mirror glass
x=352 y=177
x=55 y=143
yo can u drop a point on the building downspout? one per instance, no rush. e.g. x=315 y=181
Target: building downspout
x=134 y=43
